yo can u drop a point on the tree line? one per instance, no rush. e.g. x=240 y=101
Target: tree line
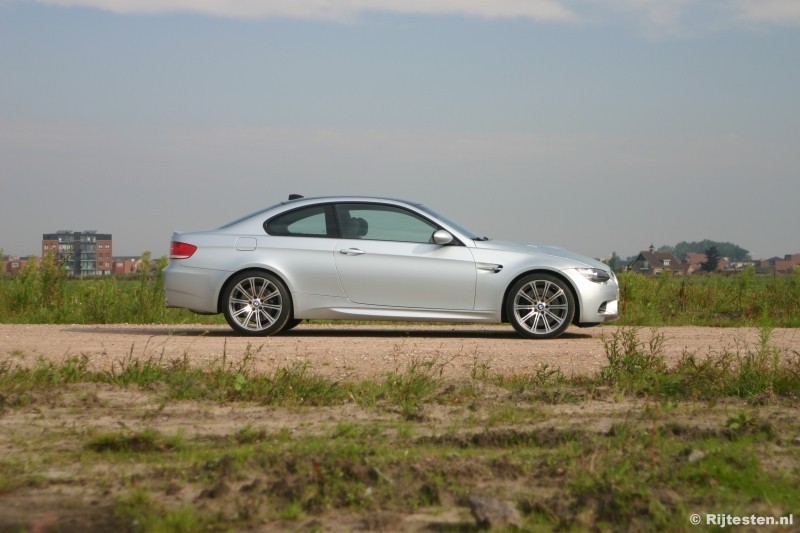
x=713 y=250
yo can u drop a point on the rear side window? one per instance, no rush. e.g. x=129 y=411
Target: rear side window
x=313 y=221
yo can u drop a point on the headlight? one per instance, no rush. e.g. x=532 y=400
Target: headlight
x=598 y=275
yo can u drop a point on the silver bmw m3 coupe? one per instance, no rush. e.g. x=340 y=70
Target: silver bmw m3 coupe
x=358 y=258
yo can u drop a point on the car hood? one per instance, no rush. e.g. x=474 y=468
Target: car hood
x=541 y=249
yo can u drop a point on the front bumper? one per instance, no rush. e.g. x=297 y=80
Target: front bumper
x=597 y=302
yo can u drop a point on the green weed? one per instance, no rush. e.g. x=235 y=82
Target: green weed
x=637 y=366
x=408 y=390
x=43 y=294
x=634 y=365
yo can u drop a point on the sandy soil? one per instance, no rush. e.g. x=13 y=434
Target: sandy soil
x=364 y=351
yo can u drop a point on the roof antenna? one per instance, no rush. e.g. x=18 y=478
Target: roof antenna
x=295 y=196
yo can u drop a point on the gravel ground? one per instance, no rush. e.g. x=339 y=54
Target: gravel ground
x=41 y=438
x=365 y=351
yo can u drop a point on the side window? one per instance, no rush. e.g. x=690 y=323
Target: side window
x=304 y=222
x=383 y=223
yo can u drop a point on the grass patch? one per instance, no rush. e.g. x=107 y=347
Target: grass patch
x=636 y=366
x=147 y=441
x=140 y=511
x=741 y=299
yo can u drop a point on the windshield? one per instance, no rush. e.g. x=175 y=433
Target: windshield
x=456 y=226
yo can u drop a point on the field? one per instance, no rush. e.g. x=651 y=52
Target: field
x=41 y=294
x=168 y=425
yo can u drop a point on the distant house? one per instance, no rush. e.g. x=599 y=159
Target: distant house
x=695 y=262
x=123 y=266
x=14 y=264
x=776 y=265
x=653 y=263
x=738 y=265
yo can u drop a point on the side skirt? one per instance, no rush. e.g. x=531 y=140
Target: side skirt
x=332 y=308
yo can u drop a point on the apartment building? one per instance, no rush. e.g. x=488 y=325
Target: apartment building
x=82 y=253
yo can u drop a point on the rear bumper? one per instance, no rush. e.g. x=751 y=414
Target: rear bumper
x=196 y=289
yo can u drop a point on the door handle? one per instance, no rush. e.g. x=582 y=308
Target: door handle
x=351 y=251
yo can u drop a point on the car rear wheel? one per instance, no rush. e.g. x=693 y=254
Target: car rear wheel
x=256 y=303
x=540 y=306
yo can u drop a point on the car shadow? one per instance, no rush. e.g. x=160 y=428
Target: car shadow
x=418 y=333
x=317 y=332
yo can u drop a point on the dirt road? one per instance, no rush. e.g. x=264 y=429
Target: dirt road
x=365 y=351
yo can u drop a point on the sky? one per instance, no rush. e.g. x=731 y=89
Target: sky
x=597 y=125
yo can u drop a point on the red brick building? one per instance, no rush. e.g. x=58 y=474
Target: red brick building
x=123 y=266
x=82 y=253
x=14 y=264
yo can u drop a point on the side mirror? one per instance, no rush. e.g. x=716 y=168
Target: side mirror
x=442 y=237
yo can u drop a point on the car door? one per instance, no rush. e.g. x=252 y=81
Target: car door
x=300 y=246
x=386 y=257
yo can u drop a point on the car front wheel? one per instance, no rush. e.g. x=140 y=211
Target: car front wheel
x=540 y=306
x=256 y=303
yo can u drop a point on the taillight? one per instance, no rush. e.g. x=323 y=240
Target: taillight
x=181 y=250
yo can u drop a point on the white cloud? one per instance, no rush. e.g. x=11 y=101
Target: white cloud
x=658 y=12
x=655 y=18
x=331 y=9
x=781 y=12
x=658 y=19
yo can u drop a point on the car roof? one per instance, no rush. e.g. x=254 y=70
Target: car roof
x=316 y=199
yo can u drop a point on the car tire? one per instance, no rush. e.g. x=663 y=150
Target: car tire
x=291 y=324
x=540 y=306
x=256 y=303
